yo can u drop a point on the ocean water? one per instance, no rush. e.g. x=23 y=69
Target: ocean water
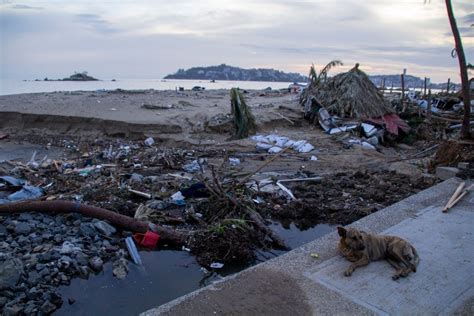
x=12 y=86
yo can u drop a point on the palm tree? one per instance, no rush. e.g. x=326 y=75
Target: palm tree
x=465 y=128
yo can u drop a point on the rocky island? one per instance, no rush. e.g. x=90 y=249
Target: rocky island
x=77 y=76
x=226 y=72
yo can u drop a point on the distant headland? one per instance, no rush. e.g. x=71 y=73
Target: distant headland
x=226 y=72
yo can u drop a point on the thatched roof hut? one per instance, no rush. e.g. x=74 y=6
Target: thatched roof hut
x=349 y=94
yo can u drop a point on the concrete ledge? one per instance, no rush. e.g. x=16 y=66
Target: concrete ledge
x=281 y=286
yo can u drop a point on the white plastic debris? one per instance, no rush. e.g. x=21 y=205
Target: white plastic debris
x=286 y=190
x=314 y=158
x=192 y=167
x=366 y=145
x=263 y=146
x=234 y=161
x=178 y=196
x=274 y=150
x=281 y=141
x=185 y=249
x=369 y=129
x=132 y=250
x=306 y=148
x=216 y=265
x=149 y=141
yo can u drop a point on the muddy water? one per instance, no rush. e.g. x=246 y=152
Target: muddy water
x=165 y=275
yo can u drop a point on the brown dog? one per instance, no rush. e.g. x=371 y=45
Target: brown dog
x=360 y=248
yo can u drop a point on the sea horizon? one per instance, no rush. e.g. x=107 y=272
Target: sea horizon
x=21 y=86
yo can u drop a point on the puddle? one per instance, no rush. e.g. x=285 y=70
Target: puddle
x=165 y=275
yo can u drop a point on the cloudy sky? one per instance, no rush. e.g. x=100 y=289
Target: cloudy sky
x=149 y=39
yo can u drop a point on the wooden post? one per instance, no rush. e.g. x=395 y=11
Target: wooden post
x=447 y=85
x=424 y=90
x=402 y=77
x=428 y=107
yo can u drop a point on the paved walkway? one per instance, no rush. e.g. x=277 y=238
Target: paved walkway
x=297 y=284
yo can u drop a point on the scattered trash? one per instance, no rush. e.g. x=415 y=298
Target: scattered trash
x=149 y=141
x=194 y=166
x=147 y=240
x=314 y=255
x=216 y=265
x=183 y=248
x=314 y=158
x=274 y=144
x=132 y=250
x=234 y=161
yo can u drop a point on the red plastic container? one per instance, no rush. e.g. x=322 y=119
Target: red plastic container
x=147 y=240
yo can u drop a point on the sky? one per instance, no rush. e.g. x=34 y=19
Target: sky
x=150 y=39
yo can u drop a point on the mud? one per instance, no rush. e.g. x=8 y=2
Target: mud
x=345 y=197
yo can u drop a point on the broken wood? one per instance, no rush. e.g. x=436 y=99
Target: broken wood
x=285 y=118
x=118 y=220
x=454 y=196
x=466 y=191
x=139 y=193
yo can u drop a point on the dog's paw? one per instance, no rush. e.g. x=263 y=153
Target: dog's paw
x=347 y=273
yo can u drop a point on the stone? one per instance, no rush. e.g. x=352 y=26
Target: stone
x=83 y=272
x=96 y=263
x=120 y=269
x=445 y=173
x=33 y=278
x=71 y=301
x=3 y=301
x=3 y=231
x=25 y=217
x=463 y=165
x=69 y=248
x=10 y=272
x=12 y=310
x=105 y=228
x=22 y=228
x=48 y=307
x=87 y=230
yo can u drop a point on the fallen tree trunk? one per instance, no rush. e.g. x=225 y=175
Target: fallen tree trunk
x=121 y=221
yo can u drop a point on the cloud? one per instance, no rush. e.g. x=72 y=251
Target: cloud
x=149 y=39
x=25 y=7
x=96 y=22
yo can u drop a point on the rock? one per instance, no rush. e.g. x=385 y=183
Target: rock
x=25 y=217
x=96 y=263
x=445 y=173
x=48 y=308
x=22 y=228
x=69 y=248
x=12 y=310
x=10 y=272
x=463 y=165
x=83 y=272
x=3 y=301
x=105 y=228
x=87 y=230
x=33 y=278
x=82 y=259
x=71 y=301
x=56 y=299
x=3 y=231
x=120 y=269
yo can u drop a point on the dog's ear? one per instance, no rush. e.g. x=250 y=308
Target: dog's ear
x=341 y=231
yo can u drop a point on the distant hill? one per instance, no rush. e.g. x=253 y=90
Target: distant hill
x=410 y=82
x=226 y=72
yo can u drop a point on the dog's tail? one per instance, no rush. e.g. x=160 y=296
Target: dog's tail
x=414 y=258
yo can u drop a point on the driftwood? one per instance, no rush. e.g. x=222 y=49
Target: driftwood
x=118 y=220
